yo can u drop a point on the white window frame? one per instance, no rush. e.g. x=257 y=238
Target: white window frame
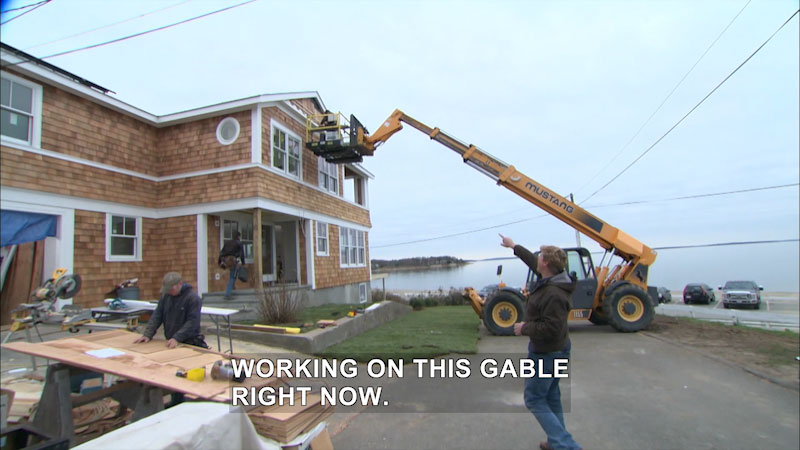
x=137 y=237
x=275 y=126
x=352 y=251
x=35 y=132
x=320 y=237
x=228 y=120
x=362 y=293
x=328 y=174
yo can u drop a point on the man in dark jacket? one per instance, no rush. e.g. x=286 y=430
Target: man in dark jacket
x=229 y=256
x=545 y=323
x=179 y=311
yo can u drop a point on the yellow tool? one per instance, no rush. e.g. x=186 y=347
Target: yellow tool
x=198 y=374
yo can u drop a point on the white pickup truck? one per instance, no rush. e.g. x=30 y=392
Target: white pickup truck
x=741 y=293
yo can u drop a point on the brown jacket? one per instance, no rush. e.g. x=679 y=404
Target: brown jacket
x=548 y=308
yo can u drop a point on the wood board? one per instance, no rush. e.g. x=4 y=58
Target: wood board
x=134 y=365
x=284 y=423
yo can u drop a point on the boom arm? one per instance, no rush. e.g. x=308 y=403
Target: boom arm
x=637 y=256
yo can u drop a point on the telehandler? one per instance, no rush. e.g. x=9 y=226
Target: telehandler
x=617 y=295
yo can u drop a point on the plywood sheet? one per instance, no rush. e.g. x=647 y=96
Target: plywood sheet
x=173 y=354
x=199 y=360
x=132 y=365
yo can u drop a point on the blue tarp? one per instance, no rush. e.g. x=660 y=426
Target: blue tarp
x=20 y=227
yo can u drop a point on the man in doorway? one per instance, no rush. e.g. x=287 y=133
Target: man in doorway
x=230 y=255
x=546 y=316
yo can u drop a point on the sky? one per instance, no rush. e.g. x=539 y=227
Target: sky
x=569 y=92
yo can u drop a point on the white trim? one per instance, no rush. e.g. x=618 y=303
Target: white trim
x=350 y=246
x=310 y=265
x=8 y=194
x=327 y=251
x=65 y=234
x=255 y=139
x=199 y=173
x=37 y=97
x=220 y=138
x=139 y=238
x=297 y=250
x=202 y=254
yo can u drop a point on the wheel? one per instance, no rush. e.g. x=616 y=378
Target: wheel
x=757 y=305
x=68 y=286
x=597 y=317
x=628 y=308
x=501 y=312
x=725 y=305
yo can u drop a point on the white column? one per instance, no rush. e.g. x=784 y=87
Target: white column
x=202 y=254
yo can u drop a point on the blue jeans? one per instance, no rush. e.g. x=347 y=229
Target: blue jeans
x=543 y=399
x=231 y=281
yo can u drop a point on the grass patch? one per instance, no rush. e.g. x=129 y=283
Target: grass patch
x=421 y=334
x=781 y=333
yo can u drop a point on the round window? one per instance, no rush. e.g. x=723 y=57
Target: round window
x=228 y=131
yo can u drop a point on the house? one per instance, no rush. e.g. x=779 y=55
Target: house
x=135 y=195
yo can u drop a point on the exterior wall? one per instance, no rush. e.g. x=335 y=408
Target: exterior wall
x=327 y=268
x=307 y=105
x=42 y=173
x=168 y=245
x=75 y=126
x=345 y=294
x=193 y=146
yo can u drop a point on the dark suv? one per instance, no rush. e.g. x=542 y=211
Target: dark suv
x=741 y=293
x=698 y=293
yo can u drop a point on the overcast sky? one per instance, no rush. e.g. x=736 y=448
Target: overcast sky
x=558 y=89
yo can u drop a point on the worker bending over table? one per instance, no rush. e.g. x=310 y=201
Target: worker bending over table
x=179 y=311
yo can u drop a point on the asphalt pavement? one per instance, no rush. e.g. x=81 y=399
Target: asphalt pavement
x=625 y=391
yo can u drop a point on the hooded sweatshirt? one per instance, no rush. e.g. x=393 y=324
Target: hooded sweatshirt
x=179 y=314
x=547 y=310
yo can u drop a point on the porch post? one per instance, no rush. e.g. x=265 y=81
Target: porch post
x=259 y=268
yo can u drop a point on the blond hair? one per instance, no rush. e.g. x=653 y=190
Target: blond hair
x=554 y=257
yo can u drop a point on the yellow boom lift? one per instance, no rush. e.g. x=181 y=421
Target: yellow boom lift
x=616 y=295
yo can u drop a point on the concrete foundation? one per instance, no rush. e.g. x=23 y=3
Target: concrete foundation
x=320 y=339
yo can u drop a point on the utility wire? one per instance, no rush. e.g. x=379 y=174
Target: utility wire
x=24 y=7
x=693 y=109
x=145 y=32
x=665 y=100
x=726 y=244
x=35 y=6
x=714 y=194
x=106 y=26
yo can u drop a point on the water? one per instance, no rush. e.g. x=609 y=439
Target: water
x=477 y=275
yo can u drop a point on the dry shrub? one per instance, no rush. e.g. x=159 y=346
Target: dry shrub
x=281 y=304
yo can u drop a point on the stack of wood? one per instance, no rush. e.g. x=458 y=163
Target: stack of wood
x=284 y=423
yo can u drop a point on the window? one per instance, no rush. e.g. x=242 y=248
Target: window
x=123 y=238
x=322 y=239
x=362 y=293
x=285 y=152
x=228 y=131
x=20 y=106
x=328 y=175
x=230 y=227
x=351 y=248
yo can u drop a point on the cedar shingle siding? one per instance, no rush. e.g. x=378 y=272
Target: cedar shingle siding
x=163 y=154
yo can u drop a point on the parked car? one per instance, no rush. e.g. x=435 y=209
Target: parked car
x=664 y=295
x=741 y=293
x=698 y=293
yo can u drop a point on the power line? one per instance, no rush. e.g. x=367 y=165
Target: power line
x=34 y=7
x=665 y=99
x=726 y=244
x=144 y=32
x=693 y=109
x=25 y=7
x=106 y=26
x=635 y=202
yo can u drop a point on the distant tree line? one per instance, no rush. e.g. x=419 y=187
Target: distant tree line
x=424 y=261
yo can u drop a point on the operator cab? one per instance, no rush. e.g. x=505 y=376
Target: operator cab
x=579 y=267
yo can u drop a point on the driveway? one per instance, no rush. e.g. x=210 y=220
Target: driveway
x=625 y=391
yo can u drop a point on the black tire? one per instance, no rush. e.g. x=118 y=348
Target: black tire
x=597 y=317
x=725 y=305
x=501 y=312
x=757 y=305
x=68 y=286
x=628 y=308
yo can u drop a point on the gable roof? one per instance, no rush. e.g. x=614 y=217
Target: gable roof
x=38 y=69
